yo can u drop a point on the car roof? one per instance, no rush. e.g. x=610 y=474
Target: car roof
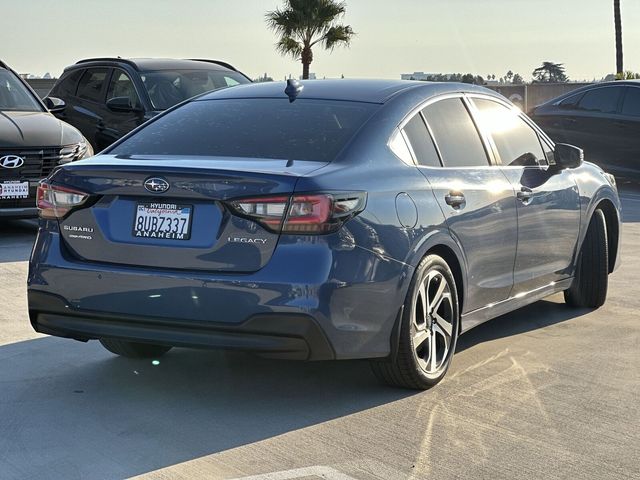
x=154 y=64
x=356 y=90
x=617 y=83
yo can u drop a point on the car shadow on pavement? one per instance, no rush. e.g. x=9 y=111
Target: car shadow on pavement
x=16 y=237
x=72 y=410
x=538 y=315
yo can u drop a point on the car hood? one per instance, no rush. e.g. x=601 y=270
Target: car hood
x=35 y=129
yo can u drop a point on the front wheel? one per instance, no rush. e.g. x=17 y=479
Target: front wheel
x=132 y=349
x=591 y=281
x=428 y=329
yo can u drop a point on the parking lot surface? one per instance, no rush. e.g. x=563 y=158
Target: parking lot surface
x=544 y=392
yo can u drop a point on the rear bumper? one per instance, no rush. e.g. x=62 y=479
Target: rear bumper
x=290 y=336
x=311 y=301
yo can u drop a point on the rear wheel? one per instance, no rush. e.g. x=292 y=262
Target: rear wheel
x=133 y=350
x=428 y=329
x=590 y=284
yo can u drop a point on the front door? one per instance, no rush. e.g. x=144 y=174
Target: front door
x=548 y=202
x=116 y=124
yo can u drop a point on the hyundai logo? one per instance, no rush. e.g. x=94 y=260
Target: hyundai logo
x=11 y=161
x=156 y=185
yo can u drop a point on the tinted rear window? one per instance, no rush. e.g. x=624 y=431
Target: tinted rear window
x=252 y=128
x=631 y=105
x=456 y=135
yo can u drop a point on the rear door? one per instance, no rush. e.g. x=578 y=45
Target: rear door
x=598 y=113
x=476 y=198
x=548 y=201
x=627 y=133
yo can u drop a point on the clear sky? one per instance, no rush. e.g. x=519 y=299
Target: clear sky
x=394 y=37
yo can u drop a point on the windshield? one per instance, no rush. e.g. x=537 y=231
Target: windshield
x=252 y=128
x=14 y=96
x=166 y=88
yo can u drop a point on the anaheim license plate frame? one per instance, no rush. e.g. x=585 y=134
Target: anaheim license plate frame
x=162 y=221
x=11 y=190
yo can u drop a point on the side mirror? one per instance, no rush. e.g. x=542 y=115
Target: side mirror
x=567 y=156
x=55 y=105
x=121 y=104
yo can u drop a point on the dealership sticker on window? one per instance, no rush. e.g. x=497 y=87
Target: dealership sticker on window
x=14 y=190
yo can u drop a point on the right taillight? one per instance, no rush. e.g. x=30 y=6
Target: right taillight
x=310 y=213
x=56 y=201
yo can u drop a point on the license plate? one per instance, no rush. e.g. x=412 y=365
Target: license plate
x=14 y=190
x=167 y=221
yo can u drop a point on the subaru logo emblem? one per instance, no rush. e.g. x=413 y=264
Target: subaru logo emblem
x=11 y=161
x=156 y=185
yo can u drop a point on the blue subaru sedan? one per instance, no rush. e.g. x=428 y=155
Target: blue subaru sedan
x=321 y=220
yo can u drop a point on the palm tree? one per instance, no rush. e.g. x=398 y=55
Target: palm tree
x=302 y=24
x=617 y=20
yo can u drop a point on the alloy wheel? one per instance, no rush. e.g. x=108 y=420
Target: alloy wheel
x=432 y=322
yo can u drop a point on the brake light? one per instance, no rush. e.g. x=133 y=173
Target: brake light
x=55 y=201
x=311 y=213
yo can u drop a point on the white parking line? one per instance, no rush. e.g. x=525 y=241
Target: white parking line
x=326 y=473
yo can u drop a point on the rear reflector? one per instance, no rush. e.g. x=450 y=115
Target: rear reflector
x=306 y=213
x=55 y=201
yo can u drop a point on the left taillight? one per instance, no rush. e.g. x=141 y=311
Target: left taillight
x=55 y=201
x=309 y=213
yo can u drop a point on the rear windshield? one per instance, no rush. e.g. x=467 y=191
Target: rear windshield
x=14 y=96
x=167 y=88
x=252 y=128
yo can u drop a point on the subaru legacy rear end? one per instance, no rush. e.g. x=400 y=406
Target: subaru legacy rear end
x=215 y=226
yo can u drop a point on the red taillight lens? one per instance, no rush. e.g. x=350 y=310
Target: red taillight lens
x=55 y=201
x=305 y=213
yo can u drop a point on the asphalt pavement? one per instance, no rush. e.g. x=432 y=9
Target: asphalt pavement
x=544 y=392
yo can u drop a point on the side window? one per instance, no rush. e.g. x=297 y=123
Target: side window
x=456 y=135
x=122 y=86
x=91 y=84
x=66 y=87
x=516 y=141
x=421 y=142
x=631 y=104
x=571 y=102
x=602 y=100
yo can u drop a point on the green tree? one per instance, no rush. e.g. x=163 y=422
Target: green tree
x=517 y=79
x=302 y=24
x=550 y=72
x=617 y=20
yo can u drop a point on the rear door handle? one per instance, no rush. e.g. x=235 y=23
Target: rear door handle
x=455 y=199
x=524 y=195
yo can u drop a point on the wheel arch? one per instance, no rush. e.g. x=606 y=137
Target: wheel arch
x=449 y=256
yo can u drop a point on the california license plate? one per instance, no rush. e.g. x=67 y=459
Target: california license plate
x=167 y=221
x=14 y=190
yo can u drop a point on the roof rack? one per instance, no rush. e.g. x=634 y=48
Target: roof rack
x=217 y=62
x=108 y=59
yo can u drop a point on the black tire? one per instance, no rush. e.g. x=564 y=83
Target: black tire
x=134 y=350
x=407 y=368
x=590 y=284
